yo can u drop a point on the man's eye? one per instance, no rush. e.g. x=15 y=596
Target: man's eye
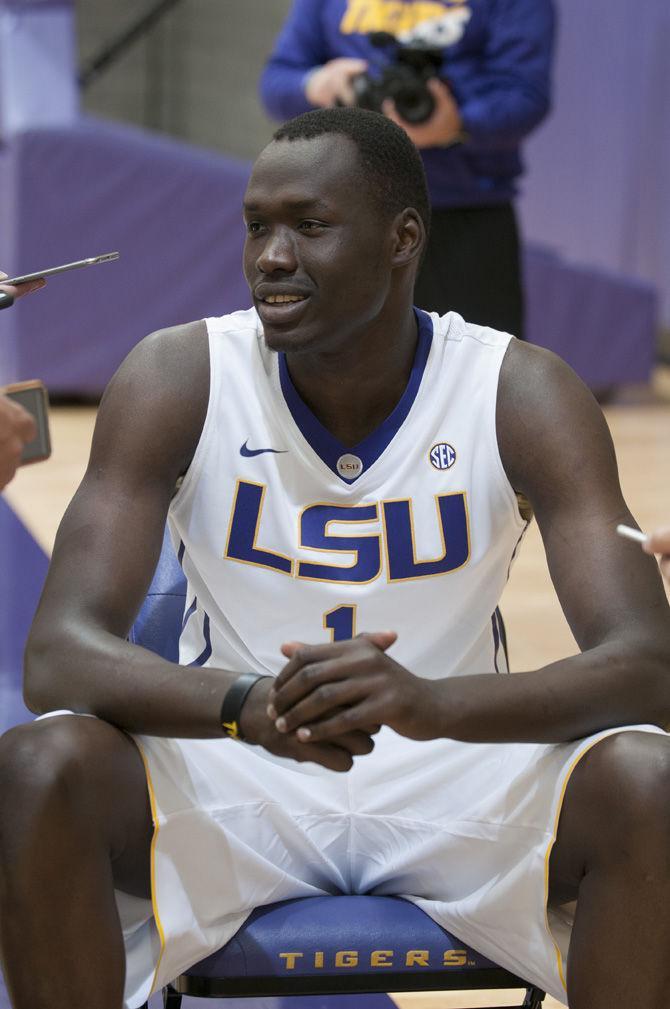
x=311 y=225
x=253 y=227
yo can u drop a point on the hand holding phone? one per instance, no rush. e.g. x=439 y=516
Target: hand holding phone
x=658 y=542
x=16 y=428
x=24 y=426
x=9 y=294
x=25 y=278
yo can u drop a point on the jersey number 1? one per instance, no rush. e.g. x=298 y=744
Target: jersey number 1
x=341 y=622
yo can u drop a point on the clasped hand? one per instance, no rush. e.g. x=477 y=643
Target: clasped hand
x=325 y=693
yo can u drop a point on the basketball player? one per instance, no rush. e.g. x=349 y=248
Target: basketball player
x=340 y=475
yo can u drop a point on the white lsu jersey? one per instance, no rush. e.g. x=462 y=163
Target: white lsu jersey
x=285 y=534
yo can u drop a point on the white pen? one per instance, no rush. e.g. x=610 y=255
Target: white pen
x=632 y=534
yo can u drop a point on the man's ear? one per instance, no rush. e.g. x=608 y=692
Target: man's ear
x=409 y=236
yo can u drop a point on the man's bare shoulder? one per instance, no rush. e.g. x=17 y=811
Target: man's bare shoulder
x=181 y=351
x=533 y=377
x=167 y=363
x=183 y=334
x=156 y=403
x=549 y=424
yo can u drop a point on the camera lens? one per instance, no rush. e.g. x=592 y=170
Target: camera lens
x=415 y=105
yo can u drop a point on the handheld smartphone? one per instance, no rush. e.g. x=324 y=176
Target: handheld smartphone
x=33 y=397
x=106 y=257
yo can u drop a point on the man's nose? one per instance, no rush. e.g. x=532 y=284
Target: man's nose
x=278 y=252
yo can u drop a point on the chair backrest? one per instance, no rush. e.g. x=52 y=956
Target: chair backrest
x=158 y=624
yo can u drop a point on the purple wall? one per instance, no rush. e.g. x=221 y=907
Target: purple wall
x=598 y=184
x=173 y=212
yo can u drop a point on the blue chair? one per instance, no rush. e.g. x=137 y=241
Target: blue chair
x=318 y=945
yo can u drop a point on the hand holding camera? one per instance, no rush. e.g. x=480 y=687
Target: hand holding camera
x=444 y=126
x=407 y=90
x=403 y=79
x=332 y=84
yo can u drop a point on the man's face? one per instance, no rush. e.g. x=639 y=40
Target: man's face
x=317 y=253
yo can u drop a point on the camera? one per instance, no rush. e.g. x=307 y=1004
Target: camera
x=403 y=80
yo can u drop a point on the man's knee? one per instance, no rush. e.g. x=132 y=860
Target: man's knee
x=72 y=789
x=72 y=767
x=616 y=806
x=627 y=777
x=41 y=757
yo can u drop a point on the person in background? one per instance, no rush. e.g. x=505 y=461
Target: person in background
x=17 y=427
x=491 y=90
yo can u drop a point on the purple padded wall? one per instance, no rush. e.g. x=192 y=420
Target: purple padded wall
x=598 y=183
x=603 y=324
x=172 y=211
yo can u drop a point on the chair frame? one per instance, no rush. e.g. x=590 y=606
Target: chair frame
x=483 y=980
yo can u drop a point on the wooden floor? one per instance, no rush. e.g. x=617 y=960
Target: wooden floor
x=467 y=1000
x=640 y=425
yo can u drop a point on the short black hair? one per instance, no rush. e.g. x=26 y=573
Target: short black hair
x=389 y=159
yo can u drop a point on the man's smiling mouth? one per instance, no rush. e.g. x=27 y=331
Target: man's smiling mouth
x=282 y=299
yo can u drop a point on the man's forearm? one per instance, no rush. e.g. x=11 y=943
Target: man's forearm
x=566 y=700
x=100 y=674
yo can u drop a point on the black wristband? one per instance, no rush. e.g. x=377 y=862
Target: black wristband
x=235 y=697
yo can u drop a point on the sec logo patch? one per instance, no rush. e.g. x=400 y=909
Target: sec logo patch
x=442 y=455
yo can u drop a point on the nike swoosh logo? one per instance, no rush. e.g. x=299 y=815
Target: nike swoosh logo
x=248 y=453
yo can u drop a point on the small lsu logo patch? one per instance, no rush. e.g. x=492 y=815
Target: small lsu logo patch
x=442 y=455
